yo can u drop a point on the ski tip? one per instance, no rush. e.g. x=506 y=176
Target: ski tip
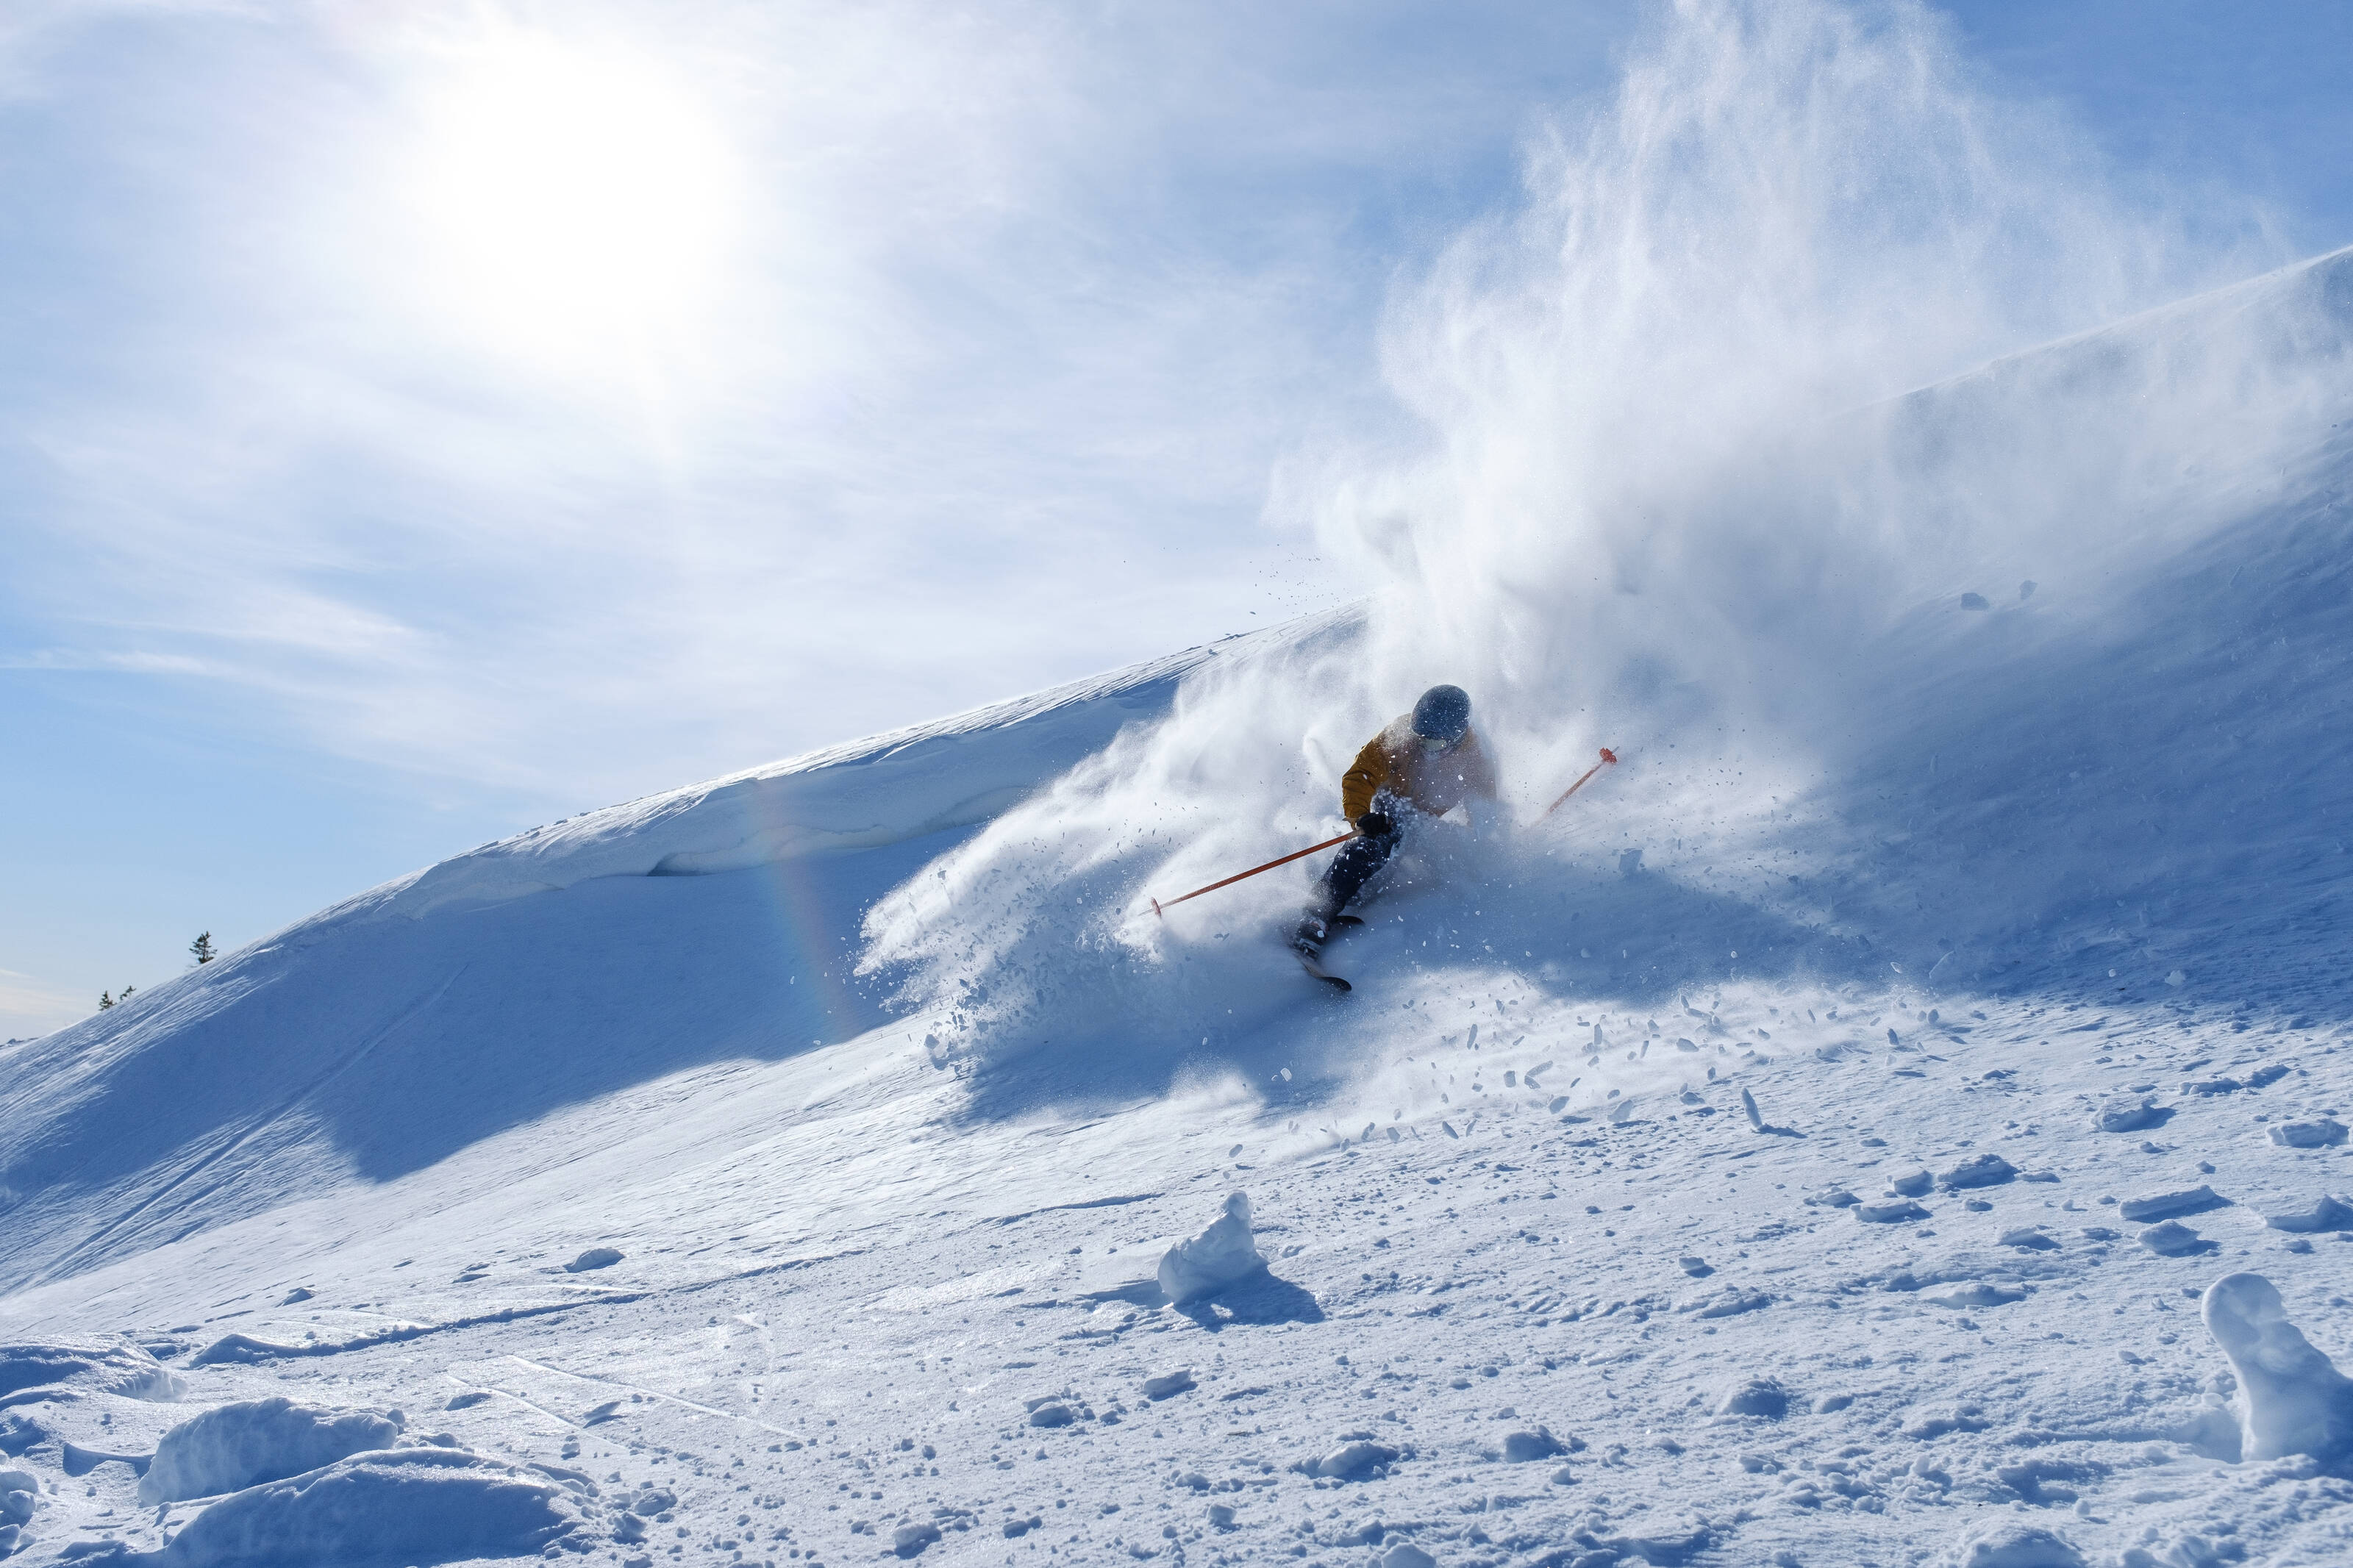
x=1313 y=963
x=1607 y=755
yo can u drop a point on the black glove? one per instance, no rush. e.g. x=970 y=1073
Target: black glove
x=1374 y=825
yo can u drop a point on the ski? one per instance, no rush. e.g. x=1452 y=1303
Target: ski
x=1311 y=958
x=1314 y=966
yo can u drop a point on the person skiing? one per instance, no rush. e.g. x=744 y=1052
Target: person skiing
x=1422 y=766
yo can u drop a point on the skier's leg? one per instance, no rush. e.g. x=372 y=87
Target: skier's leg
x=1355 y=866
x=1357 y=861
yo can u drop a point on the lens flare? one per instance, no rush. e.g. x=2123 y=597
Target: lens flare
x=573 y=205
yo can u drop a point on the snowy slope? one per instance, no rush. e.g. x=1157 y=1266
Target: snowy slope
x=778 y=1170
x=390 y=1030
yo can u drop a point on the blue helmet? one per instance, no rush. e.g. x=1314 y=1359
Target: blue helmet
x=1443 y=714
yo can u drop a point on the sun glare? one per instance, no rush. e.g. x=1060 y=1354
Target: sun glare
x=574 y=205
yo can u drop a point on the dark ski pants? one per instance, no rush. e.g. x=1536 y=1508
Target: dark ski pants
x=1358 y=859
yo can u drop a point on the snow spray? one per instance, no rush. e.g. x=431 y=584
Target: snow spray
x=1679 y=444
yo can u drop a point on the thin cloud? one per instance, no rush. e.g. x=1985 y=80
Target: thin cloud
x=983 y=394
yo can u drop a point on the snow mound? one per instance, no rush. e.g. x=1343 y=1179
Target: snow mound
x=242 y=1445
x=407 y=1505
x=1220 y=1255
x=124 y=1370
x=19 y=1491
x=2008 y=1544
x=2291 y=1399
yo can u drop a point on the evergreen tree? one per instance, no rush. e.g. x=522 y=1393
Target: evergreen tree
x=203 y=947
x=126 y=993
x=105 y=1000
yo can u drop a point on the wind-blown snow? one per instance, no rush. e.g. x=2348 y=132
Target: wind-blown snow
x=1814 y=1145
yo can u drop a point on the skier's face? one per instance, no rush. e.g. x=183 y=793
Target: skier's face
x=1434 y=746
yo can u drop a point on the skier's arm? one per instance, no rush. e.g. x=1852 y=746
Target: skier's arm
x=1363 y=780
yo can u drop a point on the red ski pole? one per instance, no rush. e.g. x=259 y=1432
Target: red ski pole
x=1162 y=909
x=1607 y=757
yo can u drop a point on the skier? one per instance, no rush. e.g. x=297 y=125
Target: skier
x=1422 y=766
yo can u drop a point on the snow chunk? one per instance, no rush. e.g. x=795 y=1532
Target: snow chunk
x=2318 y=1133
x=1936 y=1420
x=595 y=1258
x=1361 y=1460
x=2005 y=1544
x=407 y=1505
x=238 y=1445
x=1912 y=1183
x=1757 y=1396
x=2166 y=1206
x=1977 y=1293
x=1220 y=1255
x=1729 y=1302
x=2129 y=1113
x=2290 y=1398
x=2328 y=1214
x=19 y=1494
x=1168 y=1384
x=2170 y=1238
x=1523 y=1448
x=1888 y=1214
x=1406 y=1554
x=1982 y=1171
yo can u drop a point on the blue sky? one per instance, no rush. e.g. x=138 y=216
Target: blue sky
x=424 y=418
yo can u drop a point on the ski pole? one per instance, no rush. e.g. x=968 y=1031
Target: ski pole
x=1607 y=757
x=1162 y=909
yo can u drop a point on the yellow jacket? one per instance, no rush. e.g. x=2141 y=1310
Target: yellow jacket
x=1395 y=761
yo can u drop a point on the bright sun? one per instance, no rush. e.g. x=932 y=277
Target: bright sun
x=575 y=205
